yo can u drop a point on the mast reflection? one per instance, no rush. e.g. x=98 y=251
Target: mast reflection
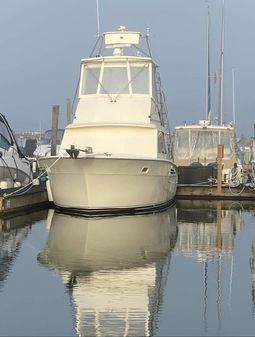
x=206 y=232
x=114 y=268
x=252 y=267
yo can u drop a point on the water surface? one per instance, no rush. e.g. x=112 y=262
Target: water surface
x=189 y=270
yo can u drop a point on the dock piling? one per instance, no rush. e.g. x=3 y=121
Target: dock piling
x=55 y=114
x=220 y=156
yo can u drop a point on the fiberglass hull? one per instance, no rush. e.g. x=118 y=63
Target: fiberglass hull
x=110 y=183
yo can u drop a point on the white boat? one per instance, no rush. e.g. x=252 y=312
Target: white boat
x=44 y=144
x=115 y=154
x=196 y=144
x=15 y=168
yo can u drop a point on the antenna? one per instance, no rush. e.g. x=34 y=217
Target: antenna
x=220 y=111
x=233 y=102
x=208 y=71
x=147 y=40
x=98 y=23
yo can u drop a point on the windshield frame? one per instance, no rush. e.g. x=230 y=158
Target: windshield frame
x=126 y=63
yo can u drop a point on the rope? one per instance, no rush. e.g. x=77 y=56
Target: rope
x=31 y=183
x=236 y=178
x=240 y=178
x=238 y=193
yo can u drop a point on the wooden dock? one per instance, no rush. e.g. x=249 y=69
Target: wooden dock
x=209 y=192
x=15 y=200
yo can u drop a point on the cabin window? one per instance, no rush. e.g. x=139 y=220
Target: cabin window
x=227 y=139
x=115 y=80
x=140 y=78
x=90 y=79
x=5 y=138
x=203 y=145
x=181 y=146
x=154 y=84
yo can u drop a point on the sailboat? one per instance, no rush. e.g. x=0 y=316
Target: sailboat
x=196 y=144
x=115 y=154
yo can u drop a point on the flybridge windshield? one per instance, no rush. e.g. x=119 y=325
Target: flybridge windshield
x=116 y=78
x=202 y=144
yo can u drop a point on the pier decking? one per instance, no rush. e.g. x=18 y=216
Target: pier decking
x=206 y=192
x=15 y=200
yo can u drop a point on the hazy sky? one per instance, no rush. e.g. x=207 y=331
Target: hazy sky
x=42 y=42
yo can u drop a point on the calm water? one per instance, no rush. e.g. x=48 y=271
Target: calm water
x=187 y=271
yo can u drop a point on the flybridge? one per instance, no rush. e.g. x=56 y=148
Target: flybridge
x=136 y=43
x=121 y=39
x=114 y=75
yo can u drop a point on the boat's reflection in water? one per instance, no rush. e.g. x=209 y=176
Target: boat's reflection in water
x=114 y=268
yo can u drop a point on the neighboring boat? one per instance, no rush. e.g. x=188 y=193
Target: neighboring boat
x=115 y=154
x=196 y=144
x=15 y=168
x=44 y=144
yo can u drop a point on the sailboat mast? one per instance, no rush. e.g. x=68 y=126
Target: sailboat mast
x=233 y=97
x=208 y=72
x=220 y=108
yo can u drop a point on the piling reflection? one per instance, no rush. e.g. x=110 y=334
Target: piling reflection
x=114 y=268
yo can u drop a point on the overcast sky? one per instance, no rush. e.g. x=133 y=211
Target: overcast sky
x=42 y=42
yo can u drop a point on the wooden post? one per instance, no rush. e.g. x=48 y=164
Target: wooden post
x=54 y=129
x=68 y=111
x=220 y=156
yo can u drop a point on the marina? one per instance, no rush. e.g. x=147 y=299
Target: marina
x=132 y=213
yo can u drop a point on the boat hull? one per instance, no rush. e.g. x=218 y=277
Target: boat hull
x=110 y=183
x=14 y=170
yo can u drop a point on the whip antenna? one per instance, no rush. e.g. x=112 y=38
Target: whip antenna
x=98 y=23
